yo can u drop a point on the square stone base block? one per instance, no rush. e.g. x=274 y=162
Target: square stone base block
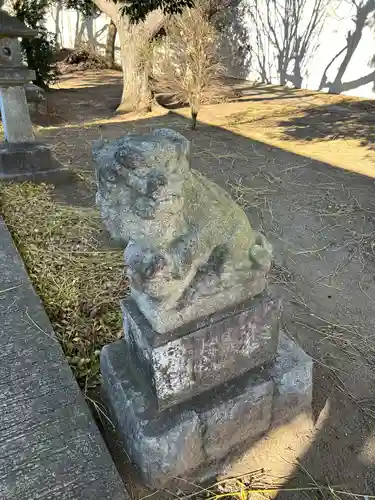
x=196 y=436
x=204 y=354
x=28 y=162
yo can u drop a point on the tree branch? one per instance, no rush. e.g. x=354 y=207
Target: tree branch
x=154 y=22
x=323 y=80
x=364 y=80
x=215 y=6
x=108 y=7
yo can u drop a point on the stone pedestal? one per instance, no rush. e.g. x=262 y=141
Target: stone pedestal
x=182 y=405
x=203 y=354
x=28 y=161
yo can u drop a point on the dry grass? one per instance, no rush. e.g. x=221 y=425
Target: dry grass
x=82 y=59
x=257 y=485
x=249 y=197
x=266 y=119
x=351 y=342
x=78 y=279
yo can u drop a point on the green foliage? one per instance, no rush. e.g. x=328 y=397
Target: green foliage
x=137 y=10
x=39 y=51
x=86 y=7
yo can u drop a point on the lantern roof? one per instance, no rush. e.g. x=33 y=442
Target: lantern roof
x=11 y=27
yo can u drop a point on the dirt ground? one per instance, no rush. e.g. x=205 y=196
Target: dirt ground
x=320 y=216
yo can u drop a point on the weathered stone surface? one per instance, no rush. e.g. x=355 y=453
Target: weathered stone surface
x=292 y=373
x=49 y=444
x=178 y=441
x=13 y=27
x=242 y=412
x=27 y=161
x=161 y=445
x=15 y=115
x=185 y=440
x=13 y=71
x=15 y=76
x=191 y=250
x=196 y=358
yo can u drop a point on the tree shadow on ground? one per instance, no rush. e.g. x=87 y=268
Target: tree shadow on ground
x=247 y=91
x=97 y=97
x=352 y=120
x=240 y=91
x=317 y=218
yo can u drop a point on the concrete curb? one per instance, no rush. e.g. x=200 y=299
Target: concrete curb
x=50 y=446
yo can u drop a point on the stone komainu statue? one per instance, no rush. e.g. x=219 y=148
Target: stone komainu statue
x=190 y=248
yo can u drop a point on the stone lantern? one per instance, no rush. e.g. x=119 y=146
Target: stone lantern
x=21 y=157
x=13 y=75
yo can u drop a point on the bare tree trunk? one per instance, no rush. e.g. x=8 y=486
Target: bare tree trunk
x=134 y=51
x=89 y=25
x=110 y=45
x=194 y=115
x=136 y=60
x=80 y=28
x=59 y=39
x=136 y=93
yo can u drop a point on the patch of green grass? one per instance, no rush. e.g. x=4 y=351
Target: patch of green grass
x=79 y=280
